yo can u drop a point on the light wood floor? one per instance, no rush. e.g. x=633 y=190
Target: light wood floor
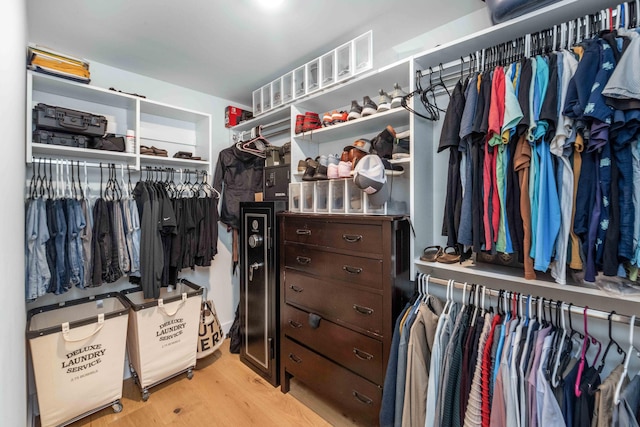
x=223 y=392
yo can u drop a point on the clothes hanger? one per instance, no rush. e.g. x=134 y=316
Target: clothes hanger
x=585 y=344
x=557 y=337
x=555 y=376
x=611 y=342
x=632 y=325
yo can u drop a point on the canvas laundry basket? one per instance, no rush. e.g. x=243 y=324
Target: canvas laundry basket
x=77 y=348
x=163 y=334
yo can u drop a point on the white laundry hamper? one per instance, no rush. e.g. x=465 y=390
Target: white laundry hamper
x=77 y=349
x=162 y=338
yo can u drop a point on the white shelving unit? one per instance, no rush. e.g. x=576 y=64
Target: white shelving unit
x=155 y=124
x=423 y=184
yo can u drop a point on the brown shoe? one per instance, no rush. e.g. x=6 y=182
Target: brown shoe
x=159 y=152
x=146 y=151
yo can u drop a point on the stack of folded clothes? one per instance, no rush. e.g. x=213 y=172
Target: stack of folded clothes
x=153 y=151
x=58 y=64
x=186 y=155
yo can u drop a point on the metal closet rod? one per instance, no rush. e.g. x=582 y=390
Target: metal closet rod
x=596 y=314
x=81 y=162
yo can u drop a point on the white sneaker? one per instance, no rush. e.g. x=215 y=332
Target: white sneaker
x=384 y=102
x=396 y=96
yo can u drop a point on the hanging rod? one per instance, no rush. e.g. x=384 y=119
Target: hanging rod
x=253 y=132
x=594 y=313
x=81 y=162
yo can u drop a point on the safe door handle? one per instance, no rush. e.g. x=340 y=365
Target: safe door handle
x=352 y=238
x=362 y=355
x=303 y=232
x=352 y=270
x=304 y=260
x=362 y=398
x=295 y=288
x=295 y=358
x=363 y=310
x=295 y=324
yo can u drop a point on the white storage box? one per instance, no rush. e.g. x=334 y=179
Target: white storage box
x=163 y=334
x=77 y=349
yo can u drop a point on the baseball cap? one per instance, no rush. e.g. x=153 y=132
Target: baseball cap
x=369 y=175
x=361 y=144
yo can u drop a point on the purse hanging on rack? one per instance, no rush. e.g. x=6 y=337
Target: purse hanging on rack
x=210 y=334
x=503 y=10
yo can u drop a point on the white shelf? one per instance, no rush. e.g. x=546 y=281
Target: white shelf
x=538 y=20
x=510 y=278
x=166 y=126
x=146 y=160
x=374 y=123
x=39 y=150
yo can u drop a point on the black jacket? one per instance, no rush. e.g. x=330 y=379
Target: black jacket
x=241 y=173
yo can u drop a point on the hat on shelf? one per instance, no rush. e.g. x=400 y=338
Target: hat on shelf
x=370 y=177
x=361 y=144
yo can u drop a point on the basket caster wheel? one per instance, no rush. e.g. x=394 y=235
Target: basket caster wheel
x=117 y=407
x=145 y=395
x=189 y=374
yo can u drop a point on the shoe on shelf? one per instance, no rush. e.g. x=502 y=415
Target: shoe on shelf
x=368 y=107
x=382 y=144
x=401 y=146
x=327 y=118
x=344 y=169
x=384 y=102
x=311 y=122
x=333 y=159
x=336 y=116
x=396 y=96
x=302 y=165
x=310 y=170
x=146 y=150
x=332 y=171
x=299 y=123
x=355 y=112
x=321 y=170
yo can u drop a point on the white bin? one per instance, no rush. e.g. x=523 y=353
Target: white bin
x=163 y=334
x=77 y=349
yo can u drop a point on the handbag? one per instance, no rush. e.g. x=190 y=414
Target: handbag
x=503 y=10
x=210 y=334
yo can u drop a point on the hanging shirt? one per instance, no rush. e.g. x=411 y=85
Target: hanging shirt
x=549 y=413
x=624 y=413
x=473 y=413
x=421 y=342
x=533 y=376
x=604 y=397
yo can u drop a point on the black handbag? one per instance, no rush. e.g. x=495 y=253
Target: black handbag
x=503 y=10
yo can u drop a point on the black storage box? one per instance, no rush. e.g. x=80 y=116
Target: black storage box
x=109 y=142
x=276 y=182
x=66 y=120
x=60 y=138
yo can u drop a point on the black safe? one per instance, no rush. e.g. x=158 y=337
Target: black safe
x=276 y=182
x=259 y=288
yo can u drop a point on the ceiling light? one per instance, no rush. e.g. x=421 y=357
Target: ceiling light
x=269 y=4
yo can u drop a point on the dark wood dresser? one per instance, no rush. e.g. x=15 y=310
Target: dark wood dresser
x=338 y=299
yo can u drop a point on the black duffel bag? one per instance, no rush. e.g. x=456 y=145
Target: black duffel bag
x=109 y=142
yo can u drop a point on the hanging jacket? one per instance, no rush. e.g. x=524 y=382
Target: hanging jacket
x=241 y=173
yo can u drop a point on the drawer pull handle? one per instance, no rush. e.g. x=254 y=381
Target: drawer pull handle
x=295 y=324
x=352 y=270
x=362 y=355
x=295 y=288
x=304 y=260
x=295 y=358
x=363 y=310
x=362 y=398
x=352 y=238
x=303 y=232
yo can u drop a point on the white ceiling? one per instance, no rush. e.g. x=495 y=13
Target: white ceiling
x=228 y=48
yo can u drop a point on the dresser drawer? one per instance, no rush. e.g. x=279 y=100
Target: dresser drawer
x=352 y=269
x=341 y=235
x=359 y=353
x=358 y=397
x=335 y=301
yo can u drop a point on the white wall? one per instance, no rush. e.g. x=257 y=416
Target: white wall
x=13 y=390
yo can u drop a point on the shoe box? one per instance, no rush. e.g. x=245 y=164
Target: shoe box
x=234 y=115
x=276 y=182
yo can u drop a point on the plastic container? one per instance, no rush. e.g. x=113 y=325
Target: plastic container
x=294 y=196
x=336 y=194
x=308 y=193
x=77 y=348
x=322 y=196
x=162 y=337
